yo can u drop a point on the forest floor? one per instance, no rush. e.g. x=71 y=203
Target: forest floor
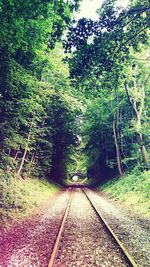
x=30 y=241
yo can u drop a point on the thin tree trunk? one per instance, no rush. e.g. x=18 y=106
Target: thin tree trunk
x=31 y=164
x=33 y=161
x=24 y=156
x=116 y=133
x=16 y=154
x=106 y=152
x=142 y=147
x=9 y=152
x=117 y=149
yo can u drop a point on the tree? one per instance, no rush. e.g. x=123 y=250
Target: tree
x=103 y=52
x=136 y=98
x=27 y=92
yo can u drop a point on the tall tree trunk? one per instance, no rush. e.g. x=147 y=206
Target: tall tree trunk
x=137 y=114
x=117 y=149
x=116 y=133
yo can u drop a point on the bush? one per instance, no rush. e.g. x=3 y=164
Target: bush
x=133 y=189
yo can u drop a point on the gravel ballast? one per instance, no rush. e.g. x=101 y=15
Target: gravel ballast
x=132 y=229
x=85 y=241
x=30 y=243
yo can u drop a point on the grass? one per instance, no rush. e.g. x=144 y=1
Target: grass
x=133 y=190
x=20 y=197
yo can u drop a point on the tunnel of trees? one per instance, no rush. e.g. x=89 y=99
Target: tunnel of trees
x=76 y=101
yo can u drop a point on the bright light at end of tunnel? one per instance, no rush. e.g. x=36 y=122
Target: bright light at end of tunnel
x=88 y=8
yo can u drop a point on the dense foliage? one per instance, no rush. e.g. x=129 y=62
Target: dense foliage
x=36 y=115
x=110 y=67
x=98 y=122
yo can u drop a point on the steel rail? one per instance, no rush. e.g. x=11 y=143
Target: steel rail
x=124 y=250
x=57 y=242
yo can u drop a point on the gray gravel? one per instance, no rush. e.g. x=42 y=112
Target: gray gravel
x=132 y=230
x=85 y=241
x=30 y=243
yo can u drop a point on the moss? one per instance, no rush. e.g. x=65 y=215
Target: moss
x=20 y=197
x=133 y=190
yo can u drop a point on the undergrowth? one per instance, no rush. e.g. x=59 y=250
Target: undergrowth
x=133 y=190
x=20 y=197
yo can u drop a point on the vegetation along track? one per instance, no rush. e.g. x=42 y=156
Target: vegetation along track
x=85 y=238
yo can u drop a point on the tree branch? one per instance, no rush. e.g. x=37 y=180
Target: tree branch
x=142 y=11
x=133 y=36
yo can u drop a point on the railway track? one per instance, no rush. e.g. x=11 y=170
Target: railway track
x=84 y=229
